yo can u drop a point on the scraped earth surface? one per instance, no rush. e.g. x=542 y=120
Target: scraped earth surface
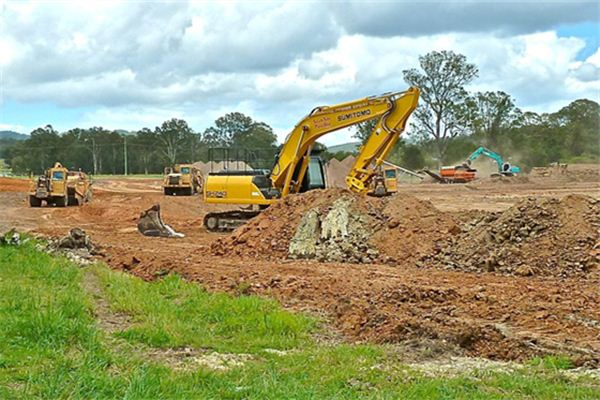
x=406 y=292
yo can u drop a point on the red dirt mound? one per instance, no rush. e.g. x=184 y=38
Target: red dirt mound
x=535 y=236
x=411 y=229
x=398 y=228
x=14 y=184
x=268 y=235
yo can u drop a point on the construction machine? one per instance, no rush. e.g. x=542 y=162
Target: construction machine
x=504 y=168
x=182 y=179
x=464 y=173
x=384 y=182
x=59 y=186
x=295 y=171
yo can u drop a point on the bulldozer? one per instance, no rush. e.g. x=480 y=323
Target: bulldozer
x=182 y=180
x=60 y=187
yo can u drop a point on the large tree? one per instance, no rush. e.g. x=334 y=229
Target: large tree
x=143 y=148
x=40 y=150
x=443 y=113
x=245 y=138
x=172 y=136
x=494 y=114
x=581 y=123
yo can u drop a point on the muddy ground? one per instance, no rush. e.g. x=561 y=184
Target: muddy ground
x=488 y=314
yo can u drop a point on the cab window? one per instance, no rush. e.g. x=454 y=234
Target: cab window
x=390 y=173
x=185 y=170
x=58 y=175
x=315 y=174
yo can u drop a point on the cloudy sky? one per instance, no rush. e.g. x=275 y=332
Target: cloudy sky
x=134 y=64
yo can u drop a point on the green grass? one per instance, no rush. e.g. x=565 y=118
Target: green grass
x=51 y=346
x=175 y=313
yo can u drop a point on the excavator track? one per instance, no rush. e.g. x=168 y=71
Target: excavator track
x=227 y=221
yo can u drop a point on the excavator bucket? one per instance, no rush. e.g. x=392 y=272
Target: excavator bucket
x=151 y=224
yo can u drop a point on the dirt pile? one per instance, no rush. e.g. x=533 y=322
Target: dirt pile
x=411 y=228
x=533 y=237
x=568 y=172
x=336 y=225
x=337 y=171
x=338 y=233
x=268 y=236
x=14 y=184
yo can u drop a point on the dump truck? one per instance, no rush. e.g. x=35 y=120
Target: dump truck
x=182 y=180
x=60 y=187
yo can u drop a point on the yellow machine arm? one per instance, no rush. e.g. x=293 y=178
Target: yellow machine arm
x=393 y=110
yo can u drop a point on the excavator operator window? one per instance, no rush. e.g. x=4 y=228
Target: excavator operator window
x=390 y=173
x=185 y=170
x=58 y=175
x=315 y=176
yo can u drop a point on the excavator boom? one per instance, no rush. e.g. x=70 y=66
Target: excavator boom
x=504 y=168
x=392 y=109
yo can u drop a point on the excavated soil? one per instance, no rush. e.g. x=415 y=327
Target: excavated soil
x=337 y=225
x=391 y=299
x=13 y=185
x=533 y=237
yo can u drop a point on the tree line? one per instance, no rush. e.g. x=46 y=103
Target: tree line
x=448 y=125
x=451 y=122
x=147 y=151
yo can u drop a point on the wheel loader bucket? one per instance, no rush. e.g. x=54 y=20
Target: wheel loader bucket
x=151 y=224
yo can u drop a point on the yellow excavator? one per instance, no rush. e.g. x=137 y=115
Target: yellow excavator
x=295 y=171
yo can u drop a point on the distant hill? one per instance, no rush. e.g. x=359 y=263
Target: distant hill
x=346 y=147
x=124 y=132
x=13 y=135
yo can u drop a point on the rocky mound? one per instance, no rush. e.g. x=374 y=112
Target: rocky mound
x=337 y=225
x=534 y=237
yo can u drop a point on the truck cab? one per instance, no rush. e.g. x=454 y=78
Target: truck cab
x=182 y=179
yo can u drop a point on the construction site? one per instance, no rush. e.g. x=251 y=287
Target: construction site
x=499 y=269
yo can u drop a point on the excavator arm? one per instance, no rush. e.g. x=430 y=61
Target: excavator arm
x=503 y=167
x=381 y=141
x=392 y=109
x=488 y=153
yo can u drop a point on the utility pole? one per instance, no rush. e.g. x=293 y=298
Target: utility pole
x=125 y=153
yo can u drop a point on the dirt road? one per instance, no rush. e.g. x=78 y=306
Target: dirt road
x=483 y=314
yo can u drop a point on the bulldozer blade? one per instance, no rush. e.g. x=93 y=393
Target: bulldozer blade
x=151 y=224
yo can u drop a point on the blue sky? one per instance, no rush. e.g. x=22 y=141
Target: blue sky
x=96 y=63
x=588 y=31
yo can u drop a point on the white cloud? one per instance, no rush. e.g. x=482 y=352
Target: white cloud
x=12 y=127
x=137 y=64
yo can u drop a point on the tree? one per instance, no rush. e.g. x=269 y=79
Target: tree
x=172 y=135
x=444 y=113
x=94 y=138
x=225 y=128
x=40 y=149
x=244 y=137
x=364 y=129
x=495 y=113
x=581 y=122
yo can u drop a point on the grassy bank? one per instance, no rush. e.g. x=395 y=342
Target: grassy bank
x=68 y=332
